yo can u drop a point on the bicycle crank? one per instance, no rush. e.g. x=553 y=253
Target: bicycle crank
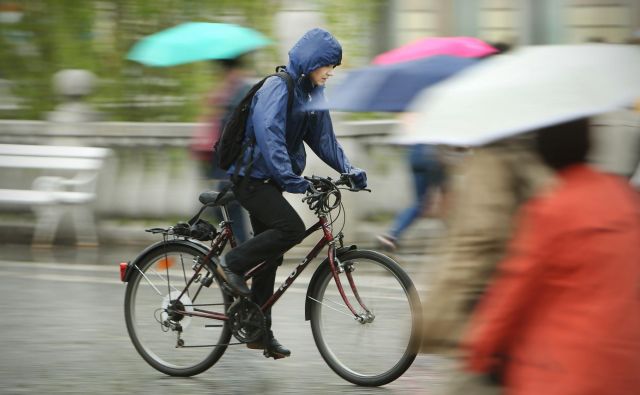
x=246 y=320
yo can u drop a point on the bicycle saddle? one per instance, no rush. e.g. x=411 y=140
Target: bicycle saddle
x=215 y=198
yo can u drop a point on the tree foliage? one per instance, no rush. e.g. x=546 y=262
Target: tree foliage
x=96 y=35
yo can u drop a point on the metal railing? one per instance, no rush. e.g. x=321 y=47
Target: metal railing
x=154 y=176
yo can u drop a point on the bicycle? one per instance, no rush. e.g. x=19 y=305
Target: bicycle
x=181 y=315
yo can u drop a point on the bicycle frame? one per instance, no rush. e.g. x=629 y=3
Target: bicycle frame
x=168 y=281
x=327 y=239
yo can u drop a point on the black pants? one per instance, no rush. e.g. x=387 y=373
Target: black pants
x=276 y=226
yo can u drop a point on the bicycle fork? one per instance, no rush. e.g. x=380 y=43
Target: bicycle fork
x=337 y=267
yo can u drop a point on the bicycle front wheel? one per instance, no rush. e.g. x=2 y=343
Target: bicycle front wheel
x=174 y=343
x=379 y=344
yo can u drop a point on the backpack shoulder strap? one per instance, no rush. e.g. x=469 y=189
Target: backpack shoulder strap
x=283 y=75
x=281 y=71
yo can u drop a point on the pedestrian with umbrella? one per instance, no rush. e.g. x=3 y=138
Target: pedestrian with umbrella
x=562 y=315
x=218 y=106
x=505 y=98
x=225 y=46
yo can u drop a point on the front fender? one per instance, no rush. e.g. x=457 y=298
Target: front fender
x=320 y=270
x=159 y=246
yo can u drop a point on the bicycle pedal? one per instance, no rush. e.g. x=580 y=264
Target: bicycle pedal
x=275 y=356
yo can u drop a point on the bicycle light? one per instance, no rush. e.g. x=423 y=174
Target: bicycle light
x=123 y=271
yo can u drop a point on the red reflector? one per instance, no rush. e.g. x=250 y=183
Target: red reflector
x=123 y=270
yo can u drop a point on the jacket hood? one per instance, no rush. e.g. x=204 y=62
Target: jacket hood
x=315 y=49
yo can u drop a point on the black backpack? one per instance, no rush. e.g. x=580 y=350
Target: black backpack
x=230 y=147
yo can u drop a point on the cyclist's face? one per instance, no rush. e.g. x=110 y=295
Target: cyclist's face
x=320 y=75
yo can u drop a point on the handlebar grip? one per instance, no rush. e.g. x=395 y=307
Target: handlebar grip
x=324 y=184
x=348 y=180
x=345 y=179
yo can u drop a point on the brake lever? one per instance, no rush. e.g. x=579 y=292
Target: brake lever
x=358 y=189
x=347 y=180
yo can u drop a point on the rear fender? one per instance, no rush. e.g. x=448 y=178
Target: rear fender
x=154 y=248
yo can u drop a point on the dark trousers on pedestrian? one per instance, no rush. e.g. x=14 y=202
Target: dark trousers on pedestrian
x=276 y=226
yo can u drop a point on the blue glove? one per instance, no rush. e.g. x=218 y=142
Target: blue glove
x=359 y=177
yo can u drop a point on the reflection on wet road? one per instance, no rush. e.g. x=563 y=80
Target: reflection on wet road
x=63 y=332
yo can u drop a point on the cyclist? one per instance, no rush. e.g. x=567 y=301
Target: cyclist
x=277 y=161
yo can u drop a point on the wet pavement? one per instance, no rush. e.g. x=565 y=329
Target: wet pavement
x=63 y=332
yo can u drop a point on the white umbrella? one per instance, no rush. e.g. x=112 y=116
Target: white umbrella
x=531 y=88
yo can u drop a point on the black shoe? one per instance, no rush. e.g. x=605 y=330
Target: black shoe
x=274 y=348
x=234 y=280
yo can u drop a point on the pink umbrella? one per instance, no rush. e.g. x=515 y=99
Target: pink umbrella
x=466 y=47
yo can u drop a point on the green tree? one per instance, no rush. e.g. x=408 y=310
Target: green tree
x=97 y=34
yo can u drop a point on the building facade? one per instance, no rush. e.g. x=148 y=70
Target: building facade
x=516 y=22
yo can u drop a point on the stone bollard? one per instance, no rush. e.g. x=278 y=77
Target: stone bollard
x=68 y=125
x=70 y=117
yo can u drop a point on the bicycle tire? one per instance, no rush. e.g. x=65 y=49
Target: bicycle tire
x=144 y=311
x=393 y=301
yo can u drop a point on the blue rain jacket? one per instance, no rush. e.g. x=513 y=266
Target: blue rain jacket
x=279 y=152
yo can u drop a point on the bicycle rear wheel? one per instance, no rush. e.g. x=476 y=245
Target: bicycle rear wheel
x=174 y=343
x=381 y=346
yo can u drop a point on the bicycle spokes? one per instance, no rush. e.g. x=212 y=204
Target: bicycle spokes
x=346 y=294
x=380 y=302
x=168 y=303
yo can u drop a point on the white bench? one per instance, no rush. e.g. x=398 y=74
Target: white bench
x=62 y=179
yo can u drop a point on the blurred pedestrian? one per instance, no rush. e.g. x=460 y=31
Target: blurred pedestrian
x=219 y=105
x=486 y=189
x=563 y=314
x=428 y=174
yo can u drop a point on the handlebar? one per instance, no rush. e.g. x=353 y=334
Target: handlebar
x=324 y=193
x=345 y=179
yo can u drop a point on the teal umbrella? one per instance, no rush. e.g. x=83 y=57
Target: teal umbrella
x=195 y=41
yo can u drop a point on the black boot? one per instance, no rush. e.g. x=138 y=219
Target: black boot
x=234 y=280
x=274 y=348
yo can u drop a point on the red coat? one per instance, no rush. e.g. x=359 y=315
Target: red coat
x=565 y=306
